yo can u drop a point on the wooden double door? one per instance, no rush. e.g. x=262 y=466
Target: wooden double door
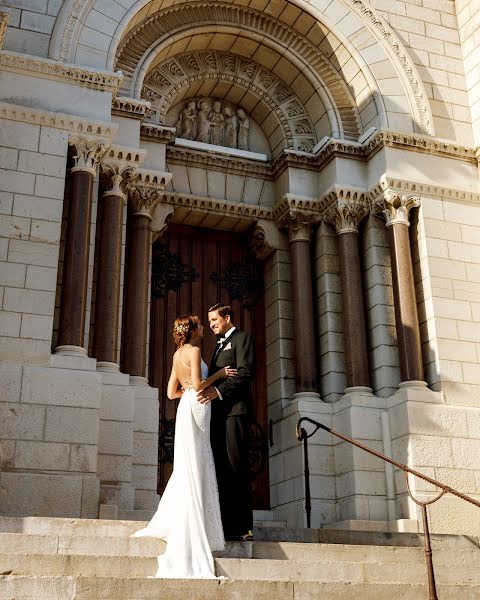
x=192 y=269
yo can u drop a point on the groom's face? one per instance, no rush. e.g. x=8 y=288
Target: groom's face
x=218 y=324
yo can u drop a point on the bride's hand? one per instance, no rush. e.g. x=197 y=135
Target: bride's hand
x=227 y=372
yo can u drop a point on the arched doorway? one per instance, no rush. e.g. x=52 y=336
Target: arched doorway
x=193 y=268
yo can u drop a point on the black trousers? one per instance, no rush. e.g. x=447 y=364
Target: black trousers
x=229 y=438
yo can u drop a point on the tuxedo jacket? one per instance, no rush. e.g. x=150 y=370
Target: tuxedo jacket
x=238 y=352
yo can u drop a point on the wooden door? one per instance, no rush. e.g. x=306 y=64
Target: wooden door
x=192 y=269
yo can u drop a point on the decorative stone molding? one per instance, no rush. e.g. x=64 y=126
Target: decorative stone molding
x=104 y=81
x=221 y=207
x=119 y=168
x=76 y=125
x=130 y=107
x=414 y=84
x=263 y=239
x=422 y=190
x=293 y=202
x=346 y=208
x=299 y=225
x=147 y=191
x=215 y=162
x=4 y=16
x=157 y=132
x=90 y=152
x=394 y=207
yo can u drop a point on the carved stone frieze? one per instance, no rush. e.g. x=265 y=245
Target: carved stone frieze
x=90 y=152
x=4 y=16
x=70 y=123
x=44 y=67
x=130 y=107
x=157 y=132
x=299 y=224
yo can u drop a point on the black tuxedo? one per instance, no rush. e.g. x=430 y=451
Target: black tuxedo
x=229 y=431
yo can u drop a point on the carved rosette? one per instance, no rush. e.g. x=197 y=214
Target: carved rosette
x=90 y=152
x=299 y=225
x=345 y=215
x=395 y=208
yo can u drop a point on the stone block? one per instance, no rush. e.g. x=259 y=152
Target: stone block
x=29 y=301
x=114 y=468
x=457 y=350
x=12 y=274
x=23 y=136
x=83 y=458
x=45 y=231
x=145 y=448
x=116 y=437
x=14 y=181
x=61 y=387
x=9 y=158
x=73 y=425
x=146 y=500
x=41 y=278
x=90 y=497
x=18 y=421
x=7 y=454
x=14 y=227
x=56 y=495
x=117 y=403
x=51 y=188
x=37 y=22
x=21 y=350
x=41 y=164
x=36 y=326
x=10 y=324
x=33 y=253
x=146 y=414
x=432 y=451
x=41 y=456
x=145 y=477
x=53 y=141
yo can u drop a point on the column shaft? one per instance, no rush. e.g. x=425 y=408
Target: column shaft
x=107 y=300
x=75 y=268
x=406 y=315
x=306 y=368
x=356 y=354
x=134 y=358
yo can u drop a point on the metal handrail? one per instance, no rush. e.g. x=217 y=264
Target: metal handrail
x=302 y=435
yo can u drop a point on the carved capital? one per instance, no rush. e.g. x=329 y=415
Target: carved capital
x=299 y=225
x=394 y=207
x=90 y=152
x=119 y=168
x=345 y=215
x=259 y=243
x=4 y=16
x=147 y=191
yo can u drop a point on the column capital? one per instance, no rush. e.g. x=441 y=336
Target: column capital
x=299 y=224
x=90 y=151
x=4 y=16
x=119 y=166
x=395 y=207
x=147 y=191
x=345 y=214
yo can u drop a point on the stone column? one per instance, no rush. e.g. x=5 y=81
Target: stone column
x=299 y=226
x=143 y=198
x=71 y=327
x=107 y=300
x=345 y=215
x=396 y=211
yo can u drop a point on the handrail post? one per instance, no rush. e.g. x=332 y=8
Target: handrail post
x=432 y=589
x=308 y=503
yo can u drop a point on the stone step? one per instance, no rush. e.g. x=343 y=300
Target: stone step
x=49 y=544
x=324 y=571
x=94 y=588
x=123 y=529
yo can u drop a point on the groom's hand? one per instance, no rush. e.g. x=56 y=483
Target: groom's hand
x=207 y=395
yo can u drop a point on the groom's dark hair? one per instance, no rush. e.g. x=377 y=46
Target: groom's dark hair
x=223 y=310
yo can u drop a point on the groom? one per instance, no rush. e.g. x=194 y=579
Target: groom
x=229 y=422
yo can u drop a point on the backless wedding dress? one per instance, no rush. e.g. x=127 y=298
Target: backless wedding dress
x=188 y=515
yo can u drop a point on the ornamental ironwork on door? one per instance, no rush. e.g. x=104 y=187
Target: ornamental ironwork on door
x=192 y=269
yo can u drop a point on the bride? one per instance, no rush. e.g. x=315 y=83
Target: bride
x=188 y=515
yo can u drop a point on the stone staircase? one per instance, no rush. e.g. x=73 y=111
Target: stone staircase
x=80 y=559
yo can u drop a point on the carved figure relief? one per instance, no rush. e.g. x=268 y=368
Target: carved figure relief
x=218 y=124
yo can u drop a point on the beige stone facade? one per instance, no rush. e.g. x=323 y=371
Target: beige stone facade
x=295 y=123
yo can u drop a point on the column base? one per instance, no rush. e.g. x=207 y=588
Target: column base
x=68 y=350
x=109 y=367
x=306 y=396
x=359 y=389
x=414 y=384
x=137 y=380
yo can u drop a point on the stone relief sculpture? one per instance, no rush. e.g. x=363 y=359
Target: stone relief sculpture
x=218 y=125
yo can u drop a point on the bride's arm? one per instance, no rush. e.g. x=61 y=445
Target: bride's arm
x=174 y=390
x=197 y=383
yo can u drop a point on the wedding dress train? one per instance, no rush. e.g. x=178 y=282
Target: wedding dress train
x=188 y=515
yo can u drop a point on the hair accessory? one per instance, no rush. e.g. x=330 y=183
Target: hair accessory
x=181 y=328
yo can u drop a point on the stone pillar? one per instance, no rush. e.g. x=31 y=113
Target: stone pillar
x=71 y=329
x=143 y=196
x=396 y=209
x=107 y=300
x=299 y=226
x=345 y=215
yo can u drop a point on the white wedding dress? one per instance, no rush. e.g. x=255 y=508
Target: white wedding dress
x=188 y=515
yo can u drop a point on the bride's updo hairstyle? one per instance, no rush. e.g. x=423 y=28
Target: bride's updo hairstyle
x=184 y=328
